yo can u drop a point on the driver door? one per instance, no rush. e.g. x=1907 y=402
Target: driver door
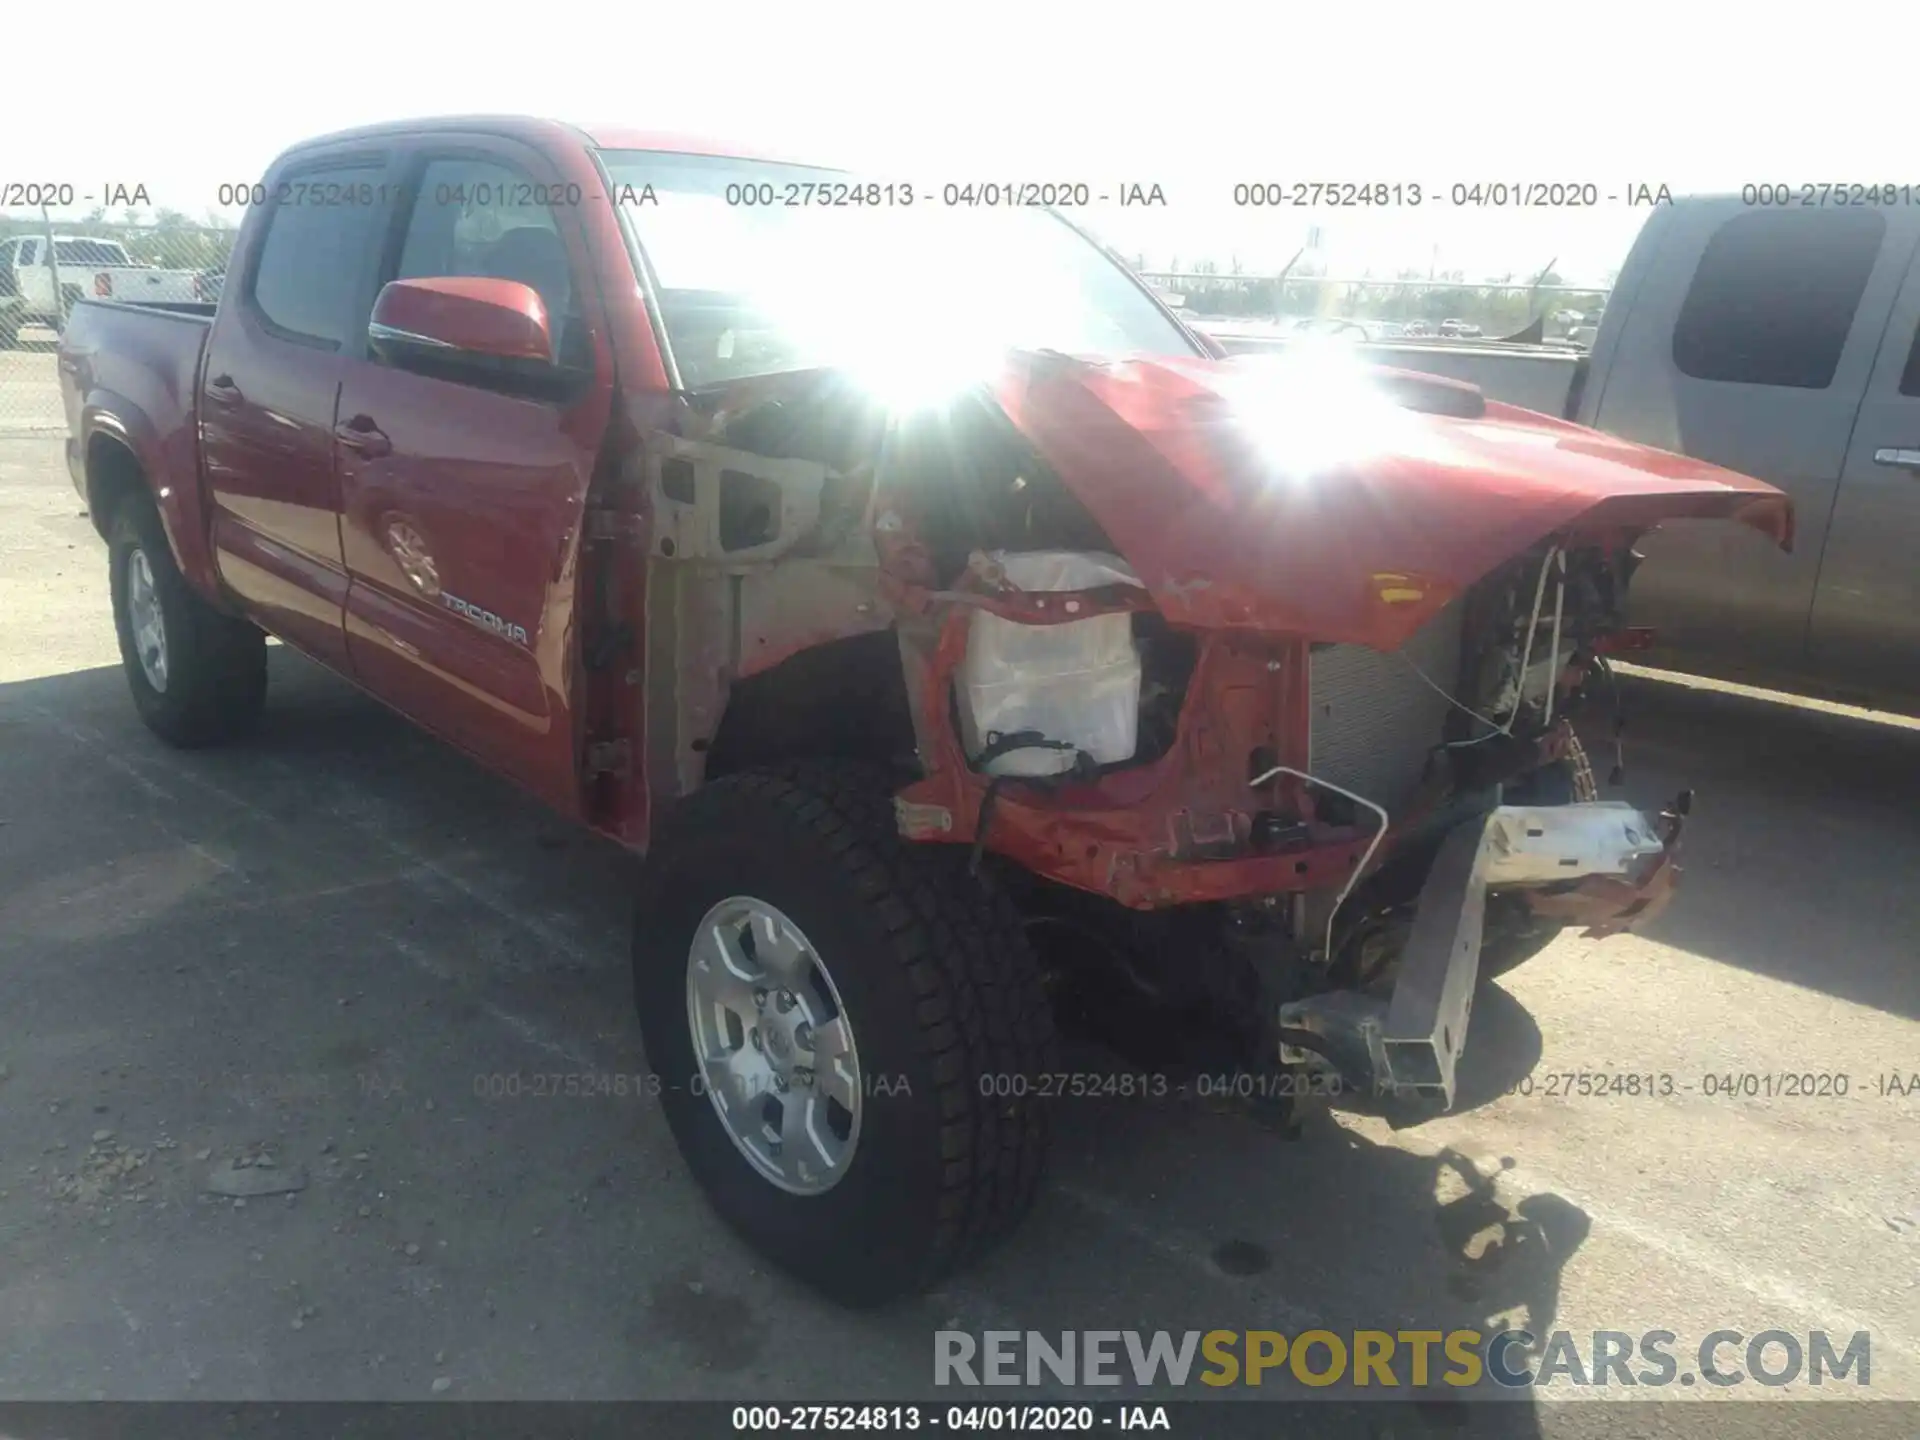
x=462 y=500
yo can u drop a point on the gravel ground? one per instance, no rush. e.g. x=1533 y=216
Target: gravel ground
x=262 y=1011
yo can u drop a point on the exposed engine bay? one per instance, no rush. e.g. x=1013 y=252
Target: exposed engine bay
x=1219 y=726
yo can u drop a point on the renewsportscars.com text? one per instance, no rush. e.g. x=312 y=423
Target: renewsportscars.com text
x=1392 y=1359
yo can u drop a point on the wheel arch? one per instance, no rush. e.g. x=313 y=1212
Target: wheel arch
x=122 y=460
x=842 y=700
x=114 y=475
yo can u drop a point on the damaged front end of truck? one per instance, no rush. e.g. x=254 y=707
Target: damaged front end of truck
x=1255 y=681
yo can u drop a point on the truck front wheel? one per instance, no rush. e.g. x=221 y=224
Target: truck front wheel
x=848 y=1030
x=198 y=676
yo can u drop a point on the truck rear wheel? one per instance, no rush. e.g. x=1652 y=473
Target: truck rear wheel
x=198 y=676
x=848 y=1030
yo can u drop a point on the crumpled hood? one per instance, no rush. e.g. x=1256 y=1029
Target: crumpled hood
x=1309 y=495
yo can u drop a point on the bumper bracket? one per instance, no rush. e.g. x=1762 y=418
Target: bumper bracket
x=1408 y=1045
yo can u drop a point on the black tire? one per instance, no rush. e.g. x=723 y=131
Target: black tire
x=1514 y=934
x=216 y=665
x=941 y=991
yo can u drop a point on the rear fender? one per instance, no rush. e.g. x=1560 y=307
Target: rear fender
x=123 y=452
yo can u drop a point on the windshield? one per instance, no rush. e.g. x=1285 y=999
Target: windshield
x=759 y=268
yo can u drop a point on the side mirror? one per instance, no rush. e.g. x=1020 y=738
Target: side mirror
x=463 y=324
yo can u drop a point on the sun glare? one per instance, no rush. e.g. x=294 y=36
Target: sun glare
x=1315 y=409
x=967 y=303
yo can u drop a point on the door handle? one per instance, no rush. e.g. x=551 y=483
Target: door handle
x=222 y=389
x=1905 y=458
x=361 y=434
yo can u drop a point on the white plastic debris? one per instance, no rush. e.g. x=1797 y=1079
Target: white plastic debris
x=1076 y=683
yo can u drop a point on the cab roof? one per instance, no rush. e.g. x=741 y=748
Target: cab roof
x=540 y=132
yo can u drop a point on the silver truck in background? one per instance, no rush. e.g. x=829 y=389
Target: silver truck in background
x=1779 y=341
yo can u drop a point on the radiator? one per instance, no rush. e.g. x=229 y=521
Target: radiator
x=1374 y=719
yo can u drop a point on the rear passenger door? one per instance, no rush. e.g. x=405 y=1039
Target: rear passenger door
x=269 y=384
x=1749 y=344
x=1866 y=611
x=462 y=499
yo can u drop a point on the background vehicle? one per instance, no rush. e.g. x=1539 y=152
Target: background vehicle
x=13 y=306
x=1783 y=343
x=1584 y=331
x=1332 y=327
x=88 y=267
x=942 y=676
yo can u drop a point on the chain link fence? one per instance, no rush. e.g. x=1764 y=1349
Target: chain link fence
x=47 y=265
x=1372 y=309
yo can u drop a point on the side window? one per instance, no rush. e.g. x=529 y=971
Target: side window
x=1775 y=295
x=484 y=218
x=89 y=252
x=314 y=252
x=1910 y=376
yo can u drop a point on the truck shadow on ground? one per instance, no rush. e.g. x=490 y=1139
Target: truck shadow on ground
x=1803 y=843
x=1208 y=1220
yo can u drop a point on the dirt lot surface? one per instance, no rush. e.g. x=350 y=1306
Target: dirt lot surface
x=30 y=387
x=321 y=973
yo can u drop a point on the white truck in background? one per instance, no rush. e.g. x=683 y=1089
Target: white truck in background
x=89 y=267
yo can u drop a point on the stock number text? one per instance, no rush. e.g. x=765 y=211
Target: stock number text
x=1332 y=194
x=1822 y=196
x=309 y=192
x=801 y=194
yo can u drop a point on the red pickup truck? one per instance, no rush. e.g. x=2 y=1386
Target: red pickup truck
x=959 y=636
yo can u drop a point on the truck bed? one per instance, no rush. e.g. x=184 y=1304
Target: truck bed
x=134 y=283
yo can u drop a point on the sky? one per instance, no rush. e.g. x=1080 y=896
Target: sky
x=1194 y=97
